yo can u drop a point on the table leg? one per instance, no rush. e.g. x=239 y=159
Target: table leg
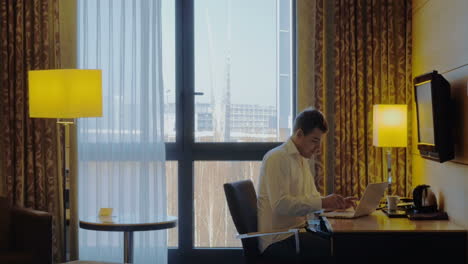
x=128 y=247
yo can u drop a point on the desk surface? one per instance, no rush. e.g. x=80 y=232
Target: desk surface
x=380 y=223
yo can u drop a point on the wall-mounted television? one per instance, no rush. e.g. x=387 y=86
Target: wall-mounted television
x=434 y=117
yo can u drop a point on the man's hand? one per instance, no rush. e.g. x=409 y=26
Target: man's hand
x=350 y=202
x=333 y=202
x=336 y=201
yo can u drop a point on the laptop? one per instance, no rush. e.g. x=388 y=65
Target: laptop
x=367 y=205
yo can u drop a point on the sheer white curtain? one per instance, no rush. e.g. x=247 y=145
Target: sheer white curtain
x=121 y=155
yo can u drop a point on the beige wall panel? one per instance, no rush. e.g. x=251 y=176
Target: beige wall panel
x=440 y=36
x=440 y=42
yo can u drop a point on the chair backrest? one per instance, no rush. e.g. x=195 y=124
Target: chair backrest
x=242 y=202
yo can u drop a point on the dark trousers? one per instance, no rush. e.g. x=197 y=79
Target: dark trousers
x=314 y=249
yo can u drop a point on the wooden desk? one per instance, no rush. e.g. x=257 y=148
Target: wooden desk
x=378 y=235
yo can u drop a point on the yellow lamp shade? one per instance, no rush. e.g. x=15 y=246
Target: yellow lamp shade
x=390 y=125
x=70 y=93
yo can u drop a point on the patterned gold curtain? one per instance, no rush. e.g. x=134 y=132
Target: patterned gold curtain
x=371 y=56
x=311 y=54
x=319 y=93
x=29 y=40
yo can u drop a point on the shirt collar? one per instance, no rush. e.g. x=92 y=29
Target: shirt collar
x=291 y=147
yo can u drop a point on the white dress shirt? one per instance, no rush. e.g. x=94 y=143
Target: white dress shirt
x=286 y=193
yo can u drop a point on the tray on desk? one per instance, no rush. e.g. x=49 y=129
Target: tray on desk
x=395 y=213
x=428 y=216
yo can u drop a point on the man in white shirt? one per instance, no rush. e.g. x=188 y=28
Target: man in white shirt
x=287 y=192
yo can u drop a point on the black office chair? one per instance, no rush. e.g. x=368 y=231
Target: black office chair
x=242 y=202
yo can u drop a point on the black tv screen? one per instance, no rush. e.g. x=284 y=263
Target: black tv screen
x=434 y=117
x=425 y=116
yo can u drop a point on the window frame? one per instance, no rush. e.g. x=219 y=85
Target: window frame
x=185 y=150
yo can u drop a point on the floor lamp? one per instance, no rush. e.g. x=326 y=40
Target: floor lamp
x=390 y=131
x=65 y=94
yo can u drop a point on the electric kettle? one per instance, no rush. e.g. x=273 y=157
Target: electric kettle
x=424 y=199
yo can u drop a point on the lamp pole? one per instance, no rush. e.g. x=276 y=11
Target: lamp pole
x=66 y=180
x=389 y=170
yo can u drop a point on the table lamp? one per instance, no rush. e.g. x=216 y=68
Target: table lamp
x=65 y=94
x=390 y=131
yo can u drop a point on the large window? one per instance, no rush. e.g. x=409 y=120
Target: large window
x=232 y=101
x=242 y=70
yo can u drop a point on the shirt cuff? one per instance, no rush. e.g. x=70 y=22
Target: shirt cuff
x=315 y=203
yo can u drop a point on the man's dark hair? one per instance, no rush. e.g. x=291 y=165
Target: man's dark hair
x=309 y=119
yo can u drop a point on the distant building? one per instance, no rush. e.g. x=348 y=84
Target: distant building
x=245 y=121
x=252 y=121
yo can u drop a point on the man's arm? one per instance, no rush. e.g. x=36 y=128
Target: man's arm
x=277 y=170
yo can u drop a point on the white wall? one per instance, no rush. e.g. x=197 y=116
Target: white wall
x=440 y=42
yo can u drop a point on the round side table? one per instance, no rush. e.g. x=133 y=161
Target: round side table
x=128 y=225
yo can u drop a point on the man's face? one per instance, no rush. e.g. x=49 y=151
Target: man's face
x=308 y=144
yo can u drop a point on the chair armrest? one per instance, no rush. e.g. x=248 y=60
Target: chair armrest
x=260 y=234
x=32 y=231
x=295 y=231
